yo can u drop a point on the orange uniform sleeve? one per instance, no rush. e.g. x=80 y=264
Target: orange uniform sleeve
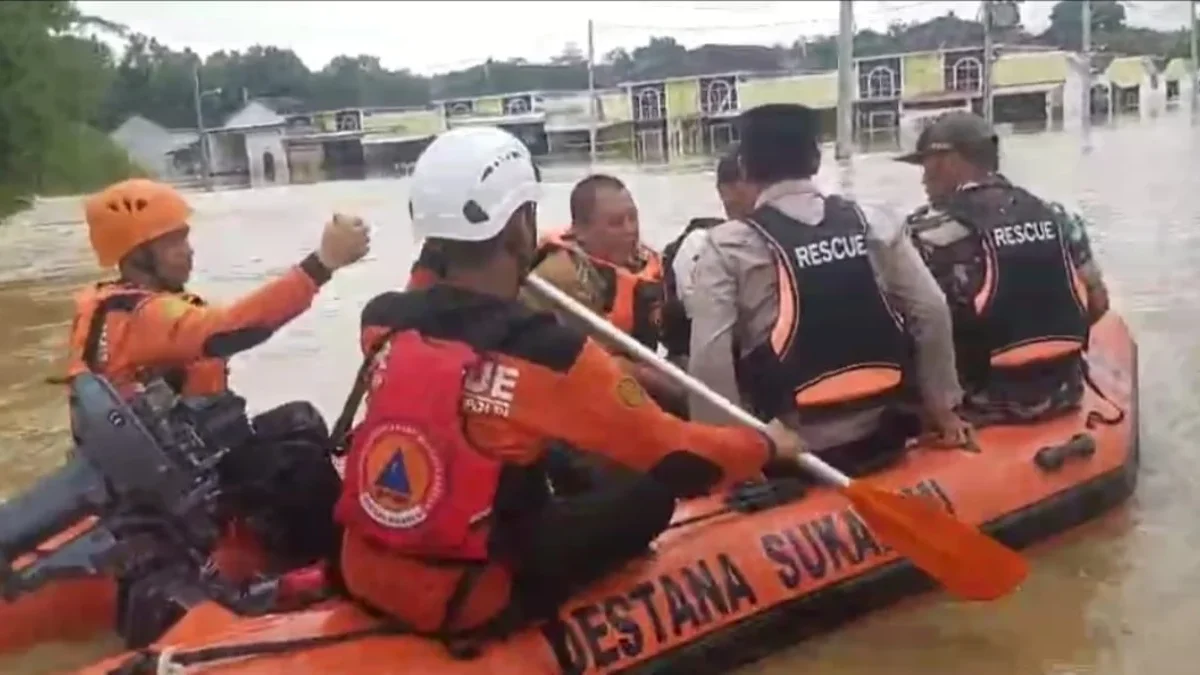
x=595 y=406
x=166 y=328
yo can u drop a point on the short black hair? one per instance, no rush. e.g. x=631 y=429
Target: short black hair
x=780 y=141
x=583 y=195
x=729 y=167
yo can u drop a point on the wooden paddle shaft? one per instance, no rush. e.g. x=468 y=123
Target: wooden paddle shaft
x=810 y=462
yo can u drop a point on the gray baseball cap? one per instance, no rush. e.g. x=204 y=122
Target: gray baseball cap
x=956 y=130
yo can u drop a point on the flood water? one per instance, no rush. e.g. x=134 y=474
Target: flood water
x=1096 y=600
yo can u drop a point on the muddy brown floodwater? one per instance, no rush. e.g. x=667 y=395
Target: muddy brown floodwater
x=1116 y=598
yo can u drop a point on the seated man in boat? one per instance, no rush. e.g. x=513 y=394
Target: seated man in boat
x=448 y=524
x=824 y=298
x=144 y=324
x=679 y=257
x=601 y=262
x=998 y=251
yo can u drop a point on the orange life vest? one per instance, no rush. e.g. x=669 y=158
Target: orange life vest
x=632 y=300
x=413 y=482
x=102 y=319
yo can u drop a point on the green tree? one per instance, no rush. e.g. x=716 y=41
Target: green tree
x=360 y=81
x=52 y=80
x=1066 y=20
x=153 y=80
x=260 y=71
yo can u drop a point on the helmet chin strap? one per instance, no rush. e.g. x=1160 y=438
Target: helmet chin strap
x=527 y=255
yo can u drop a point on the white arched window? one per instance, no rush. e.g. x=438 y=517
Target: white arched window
x=881 y=82
x=718 y=97
x=516 y=106
x=649 y=104
x=967 y=74
x=460 y=108
x=346 y=121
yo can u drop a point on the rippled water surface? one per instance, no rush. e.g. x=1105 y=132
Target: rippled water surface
x=1119 y=597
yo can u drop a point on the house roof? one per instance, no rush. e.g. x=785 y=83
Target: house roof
x=281 y=105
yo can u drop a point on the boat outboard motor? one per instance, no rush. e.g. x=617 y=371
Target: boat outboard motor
x=142 y=494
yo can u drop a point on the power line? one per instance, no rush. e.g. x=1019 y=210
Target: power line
x=826 y=23
x=692 y=29
x=739 y=7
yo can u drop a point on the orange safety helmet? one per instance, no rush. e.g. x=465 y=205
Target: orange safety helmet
x=128 y=214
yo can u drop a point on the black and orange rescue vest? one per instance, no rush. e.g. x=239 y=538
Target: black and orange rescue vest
x=836 y=343
x=1031 y=304
x=102 y=318
x=413 y=482
x=631 y=301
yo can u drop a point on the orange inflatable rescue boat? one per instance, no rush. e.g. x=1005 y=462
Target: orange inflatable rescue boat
x=72 y=609
x=723 y=586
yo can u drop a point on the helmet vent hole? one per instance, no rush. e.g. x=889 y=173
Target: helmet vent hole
x=141 y=204
x=474 y=213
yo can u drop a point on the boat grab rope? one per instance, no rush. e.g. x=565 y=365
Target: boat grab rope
x=1095 y=417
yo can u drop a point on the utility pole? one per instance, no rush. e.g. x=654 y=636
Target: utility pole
x=201 y=134
x=845 y=102
x=986 y=75
x=1195 y=69
x=998 y=16
x=592 y=112
x=1085 y=7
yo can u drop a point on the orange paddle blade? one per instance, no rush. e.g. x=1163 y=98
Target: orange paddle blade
x=967 y=562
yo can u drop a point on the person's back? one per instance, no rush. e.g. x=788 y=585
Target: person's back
x=449 y=524
x=679 y=257
x=997 y=250
x=820 y=294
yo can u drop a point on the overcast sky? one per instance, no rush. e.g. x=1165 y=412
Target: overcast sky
x=430 y=37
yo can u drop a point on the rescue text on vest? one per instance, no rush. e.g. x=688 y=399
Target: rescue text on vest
x=1024 y=233
x=831 y=250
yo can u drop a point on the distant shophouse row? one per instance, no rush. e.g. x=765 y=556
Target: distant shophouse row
x=669 y=119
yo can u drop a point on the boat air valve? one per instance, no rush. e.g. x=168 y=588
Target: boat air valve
x=1052 y=457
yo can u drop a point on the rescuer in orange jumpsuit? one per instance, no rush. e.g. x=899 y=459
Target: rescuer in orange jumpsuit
x=144 y=323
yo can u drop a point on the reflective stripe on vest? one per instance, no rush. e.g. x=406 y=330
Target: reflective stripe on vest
x=1027 y=265
x=413 y=482
x=836 y=340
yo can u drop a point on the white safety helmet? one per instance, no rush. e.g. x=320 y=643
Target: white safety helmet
x=468 y=183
